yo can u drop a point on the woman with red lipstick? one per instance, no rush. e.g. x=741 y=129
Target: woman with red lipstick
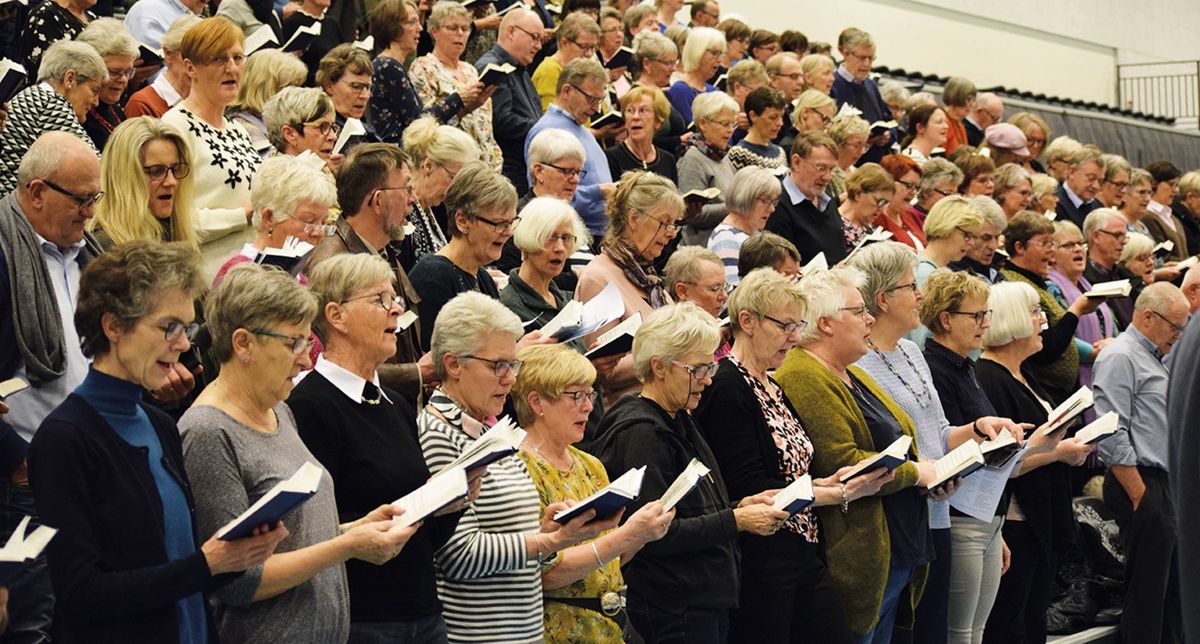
x=929 y=127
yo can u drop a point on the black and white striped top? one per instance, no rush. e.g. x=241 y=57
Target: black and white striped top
x=490 y=591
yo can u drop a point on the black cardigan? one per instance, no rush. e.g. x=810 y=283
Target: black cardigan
x=108 y=562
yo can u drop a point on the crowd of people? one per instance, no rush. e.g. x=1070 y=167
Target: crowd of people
x=813 y=265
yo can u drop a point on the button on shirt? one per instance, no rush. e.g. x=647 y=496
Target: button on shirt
x=1130 y=379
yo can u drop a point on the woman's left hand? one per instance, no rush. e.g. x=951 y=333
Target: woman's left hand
x=1005 y=557
x=334 y=162
x=993 y=426
x=534 y=338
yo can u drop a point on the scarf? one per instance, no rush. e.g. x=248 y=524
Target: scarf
x=707 y=150
x=37 y=323
x=636 y=270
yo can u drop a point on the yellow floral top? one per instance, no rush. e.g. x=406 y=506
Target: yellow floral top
x=569 y=623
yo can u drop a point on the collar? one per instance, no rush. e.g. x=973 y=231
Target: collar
x=1029 y=275
x=165 y=90
x=974 y=122
x=69 y=252
x=506 y=57
x=796 y=195
x=348 y=383
x=532 y=298
x=454 y=414
x=939 y=350
x=1076 y=200
x=1159 y=209
x=846 y=75
x=1139 y=339
x=555 y=109
x=1104 y=272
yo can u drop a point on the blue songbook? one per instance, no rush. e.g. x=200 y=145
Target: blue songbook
x=891 y=457
x=609 y=500
x=276 y=504
x=796 y=496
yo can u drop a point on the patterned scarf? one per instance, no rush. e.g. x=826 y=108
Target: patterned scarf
x=709 y=151
x=636 y=270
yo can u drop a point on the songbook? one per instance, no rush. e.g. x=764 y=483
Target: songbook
x=879 y=127
x=1115 y=288
x=848 y=110
x=816 y=264
x=1068 y=410
x=612 y=117
x=608 y=501
x=510 y=7
x=1099 y=429
x=286 y=496
x=405 y=321
x=722 y=82
x=890 y=458
x=366 y=44
x=288 y=257
x=501 y=440
x=302 y=38
x=706 y=195
x=616 y=340
x=622 y=58
x=796 y=496
x=578 y=319
x=1185 y=264
x=437 y=493
x=1163 y=248
x=21 y=548
x=12 y=386
x=12 y=78
x=493 y=73
x=1049 y=214
x=998 y=451
x=262 y=38
x=684 y=483
x=351 y=128
x=960 y=461
x=877 y=234
x=149 y=56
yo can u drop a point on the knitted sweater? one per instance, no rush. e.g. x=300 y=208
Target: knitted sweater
x=35 y=110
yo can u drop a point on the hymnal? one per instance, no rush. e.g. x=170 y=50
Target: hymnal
x=12 y=386
x=1099 y=429
x=613 y=117
x=616 y=340
x=12 y=78
x=366 y=44
x=816 y=264
x=1068 y=410
x=878 y=234
x=501 y=440
x=879 y=127
x=288 y=257
x=263 y=37
x=890 y=458
x=510 y=7
x=578 y=319
x=683 y=484
x=998 y=451
x=21 y=548
x=286 y=496
x=493 y=73
x=1115 y=288
x=622 y=58
x=149 y=56
x=302 y=38
x=1187 y=263
x=706 y=195
x=796 y=496
x=351 y=128
x=609 y=500
x=405 y=320
x=437 y=493
x=960 y=461
x=722 y=82
x=1163 y=248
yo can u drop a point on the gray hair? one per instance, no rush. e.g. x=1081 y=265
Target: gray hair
x=1066 y=226
x=1097 y=219
x=1043 y=184
x=825 y=291
x=477 y=189
x=750 y=184
x=580 y=70
x=684 y=266
x=894 y=93
x=936 y=171
x=883 y=264
x=48 y=155
x=1010 y=303
x=294 y=106
x=845 y=126
x=1140 y=176
x=539 y=219
x=991 y=211
x=425 y=139
x=1113 y=164
x=172 y=40
x=919 y=98
x=465 y=322
x=250 y=297
x=443 y=11
x=671 y=331
x=852 y=38
x=67 y=55
x=1135 y=245
x=1062 y=148
x=338 y=278
x=710 y=105
x=109 y=37
x=1157 y=296
x=1008 y=177
x=700 y=40
x=552 y=144
x=761 y=291
x=282 y=183
x=651 y=45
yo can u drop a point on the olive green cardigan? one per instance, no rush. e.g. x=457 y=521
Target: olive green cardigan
x=857 y=545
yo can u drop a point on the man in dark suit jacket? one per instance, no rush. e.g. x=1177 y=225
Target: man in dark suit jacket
x=852 y=83
x=1183 y=407
x=987 y=111
x=515 y=105
x=806 y=215
x=1077 y=195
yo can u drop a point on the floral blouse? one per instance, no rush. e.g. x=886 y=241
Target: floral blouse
x=47 y=23
x=853 y=233
x=570 y=623
x=434 y=82
x=395 y=103
x=794 y=447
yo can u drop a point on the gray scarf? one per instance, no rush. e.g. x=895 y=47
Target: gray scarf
x=36 y=320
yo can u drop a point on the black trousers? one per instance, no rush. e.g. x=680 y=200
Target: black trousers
x=1152 y=602
x=932 y=621
x=1019 y=614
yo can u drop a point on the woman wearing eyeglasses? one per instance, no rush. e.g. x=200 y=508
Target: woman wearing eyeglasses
x=656 y=56
x=107 y=469
x=869 y=190
x=1095 y=330
x=759 y=442
x=951 y=226
x=814 y=110
x=646 y=109
x=681 y=587
x=547 y=232
x=300 y=120
x=112 y=40
x=900 y=218
x=701 y=57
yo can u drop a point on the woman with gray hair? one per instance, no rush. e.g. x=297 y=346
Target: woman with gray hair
x=1137 y=198
x=496 y=555
x=299 y=119
x=696 y=274
x=436 y=153
x=682 y=587
x=1096 y=329
x=706 y=163
x=1013 y=190
x=119 y=50
x=939 y=179
x=656 y=58
x=481 y=206
x=547 y=232
x=750 y=201
x=68 y=85
x=240 y=440
x=267 y=72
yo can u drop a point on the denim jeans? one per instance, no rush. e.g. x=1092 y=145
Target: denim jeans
x=658 y=625
x=897 y=579
x=427 y=630
x=30 y=596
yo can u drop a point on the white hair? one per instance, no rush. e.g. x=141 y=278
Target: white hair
x=465 y=322
x=1011 y=304
x=538 y=220
x=826 y=295
x=283 y=182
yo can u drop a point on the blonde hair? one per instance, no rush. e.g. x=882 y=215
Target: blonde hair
x=548 y=369
x=670 y=331
x=684 y=266
x=826 y=295
x=658 y=100
x=267 y=72
x=1011 y=304
x=539 y=219
x=869 y=177
x=172 y=40
x=425 y=139
x=950 y=213
x=699 y=40
x=845 y=126
x=1189 y=183
x=1043 y=184
x=762 y=291
x=124 y=214
x=251 y=296
x=637 y=194
x=947 y=290
x=338 y=278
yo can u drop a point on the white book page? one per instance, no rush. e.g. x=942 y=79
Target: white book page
x=437 y=493
x=683 y=484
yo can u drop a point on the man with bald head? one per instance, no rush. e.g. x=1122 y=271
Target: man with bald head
x=987 y=111
x=1191 y=288
x=516 y=105
x=43 y=248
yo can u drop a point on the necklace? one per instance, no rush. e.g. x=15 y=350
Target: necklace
x=550 y=460
x=925 y=397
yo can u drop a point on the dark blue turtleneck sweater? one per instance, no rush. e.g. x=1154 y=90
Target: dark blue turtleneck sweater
x=117 y=401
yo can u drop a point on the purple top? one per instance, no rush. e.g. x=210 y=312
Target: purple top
x=1093 y=327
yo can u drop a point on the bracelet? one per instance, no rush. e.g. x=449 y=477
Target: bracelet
x=975 y=428
x=845 y=498
x=595 y=551
x=537 y=543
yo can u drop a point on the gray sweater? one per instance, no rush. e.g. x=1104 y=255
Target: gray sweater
x=231 y=466
x=696 y=172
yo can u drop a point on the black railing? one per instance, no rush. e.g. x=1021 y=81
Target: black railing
x=1170 y=89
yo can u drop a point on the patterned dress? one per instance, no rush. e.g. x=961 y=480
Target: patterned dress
x=434 y=82
x=48 y=23
x=396 y=104
x=570 y=623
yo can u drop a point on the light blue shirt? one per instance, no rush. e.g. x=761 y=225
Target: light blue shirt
x=588 y=200
x=797 y=195
x=1130 y=379
x=1076 y=200
x=148 y=20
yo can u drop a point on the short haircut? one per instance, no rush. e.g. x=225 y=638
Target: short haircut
x=765 y=250
x=1061 y=148
x=700 y=40
x=936 y=172
x=579 y=71
x=49 y=153
x=463 y=325
x=1087 y=154
x=671 y=331
x=1114 y=164
x=475 y=190
x=883 y=265
x=792 y=41
x=651 y=45
x=659 y=103
x=1044 y=184
x=1026 y=121
x=172 y=39
x=635 y=15
x=552 y=144
x=251 y=296
x=109 y=37
x=710 y=105
x=427 y=139
x=990 y=209
x=548 y=369
x=1098 y=218
x=763 y=38
x=920 y=115
x=364 y=171
x=734 y=29
x=1135 y=245
x=1163 y=171
x=947 y=290
x=949 y=214
x=1023 y=227
x=894 y=94
x=574 y=26
x=538 y=220
x=806 y=142
x=814 y=63
x=385 y=21
x=825 y=291
x=267 y=72
x=343 y=59
x=282 y=183
x=762 y=291
x=852 y=38
x=209 y=38
x=1008 y=177
x=639 y=193
x=126 y=281
x=338 y=278
x=1011 y=304
x=1155 y=297
x=443 y=11
x=959 y=92
x=1189 y=184
x=763 y=99
x=899 y=165
x=814 y=100
x=570 y=7
x=845 y=126
x=972 y=164
x=684 y=266
x=678 y=34
x=869 y=177
x=1064 y=227
x=774 y=64
x=750 y=184
x=67 y=55
x=1140 y=176
x=294 y=106
x=747 y=73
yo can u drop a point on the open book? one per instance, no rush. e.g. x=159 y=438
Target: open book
x=12 y=78
x=816 y=264
x=796 y=496
x=998 y=451
x=878 y=234
x=891 y=457
x=510 y=7
x=262 y=38
x=1163 y=248
x=1068 y=410
x=618 y=339
x=1115 y=288
x=706 y=195
x=286 y=496
x=1187 y=263
x=493 y=73
x=1099 y=429
x=622 y=58
x=609 y=500
x=288 y=257
x=366 y=44
x=612 y=117
x=405 y=320
x=501 y=440
x=12 y=386
x=437 y=493
x=578 y=319
x=149 y=56
x=302 y=38
x=351 y=128
x=879 y=127
x=21 y=548
x=960 y=461
x=684 y=483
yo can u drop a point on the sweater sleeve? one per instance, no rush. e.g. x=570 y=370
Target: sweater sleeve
x=732 y=421
x=692 y=176
x=435 y=287
x=1056 y=339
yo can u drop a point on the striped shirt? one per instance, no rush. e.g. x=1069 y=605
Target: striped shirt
x=726 y=241
x=490 y=591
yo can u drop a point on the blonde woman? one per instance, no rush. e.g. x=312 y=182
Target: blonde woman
x=266 y=72
x=850 y=133
x=435 y=154
x=147 y=183
x=813 y=111
x=817 y=71
x=952 y=225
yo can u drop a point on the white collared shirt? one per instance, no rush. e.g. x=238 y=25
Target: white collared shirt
x=346 y=382
x=1162 y=212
